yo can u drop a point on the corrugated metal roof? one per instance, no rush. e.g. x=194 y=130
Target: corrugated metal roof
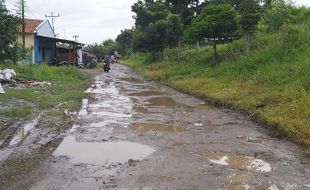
x=30 y=25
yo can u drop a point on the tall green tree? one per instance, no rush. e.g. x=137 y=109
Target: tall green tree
x=157 y=38
x=149 y=11
x=276 y=14
x=9 y=48
x=214 y=22
x=95 y=49
x=109 y=46
x=125 y=41
x=250 y=14
x=175 y=30
x=186 y=9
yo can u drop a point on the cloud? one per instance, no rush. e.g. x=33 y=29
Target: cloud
x=92 y=20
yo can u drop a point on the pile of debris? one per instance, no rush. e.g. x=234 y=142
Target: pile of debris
x=6 y=75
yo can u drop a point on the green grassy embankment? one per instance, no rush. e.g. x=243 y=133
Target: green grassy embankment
x=65 y=93
x=24 y=103
x=271 y=82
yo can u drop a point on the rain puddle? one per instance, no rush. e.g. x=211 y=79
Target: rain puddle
x=101 y=153
x=147 y=93
x=162 y=101
x=135 y=80
x=238 y=161
x=242 y=182
x=83 y=110
x=238 y=182
x=142 y=110
x=21 y=134
x=146 y=127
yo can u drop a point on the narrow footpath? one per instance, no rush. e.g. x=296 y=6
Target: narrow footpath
x=133 y=133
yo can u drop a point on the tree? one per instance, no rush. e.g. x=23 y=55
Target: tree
x=9 y=48
x=109 y=46
x=149 y=11
x=186 y=9
x=96 y=49
x=214 y=22
x=276 y=14
x=175 y=29
x=125 y=41
x=156 y=38
x=250 y=14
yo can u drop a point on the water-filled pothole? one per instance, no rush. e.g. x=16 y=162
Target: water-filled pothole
x=238 y=161
x=147 y=93
x=162 y=101
x=102 y=153
x=145 y=127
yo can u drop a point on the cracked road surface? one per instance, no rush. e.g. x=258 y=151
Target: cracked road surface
x=132 y=133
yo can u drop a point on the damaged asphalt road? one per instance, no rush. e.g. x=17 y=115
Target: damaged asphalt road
x=137 y=134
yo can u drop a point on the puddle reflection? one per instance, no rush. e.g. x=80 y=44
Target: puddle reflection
x=101 y=153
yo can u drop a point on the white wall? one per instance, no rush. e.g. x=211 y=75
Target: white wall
x=45 y=30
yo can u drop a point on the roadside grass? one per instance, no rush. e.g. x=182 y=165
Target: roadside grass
x=271 y=82
x=25 y=103
x=19 y=112
x=66 y=90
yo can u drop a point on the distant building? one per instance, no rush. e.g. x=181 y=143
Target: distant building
x=43 y=44
x=42 y=50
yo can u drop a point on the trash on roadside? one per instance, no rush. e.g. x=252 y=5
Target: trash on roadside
x=44 y=83
x=7 y=75
x=1 y=90
x=8 y=78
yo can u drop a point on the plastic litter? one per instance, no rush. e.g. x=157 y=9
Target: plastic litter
x=1 y=90
x=7 y=74
x=44 y=83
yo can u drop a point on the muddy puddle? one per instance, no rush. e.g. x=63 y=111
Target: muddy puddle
x=142 y=110
x=147 y=93
x=146 y=127
x=244 y=182
x=162 y=101
x=238 y=161
x=101 y=153
x=197 y=146
x=131 y=79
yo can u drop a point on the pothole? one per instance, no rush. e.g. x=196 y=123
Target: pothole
x=162 y=101
x=147 y=93
x=238 y=161
x=146 y=127
x=101 y=153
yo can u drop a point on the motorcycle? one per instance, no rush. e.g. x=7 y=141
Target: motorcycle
x=106 y=66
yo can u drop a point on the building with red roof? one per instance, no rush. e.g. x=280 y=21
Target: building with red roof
x=41 y=42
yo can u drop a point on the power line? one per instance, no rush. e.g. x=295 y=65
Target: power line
x=52 y=16
x=32 y=13
x=76 y=37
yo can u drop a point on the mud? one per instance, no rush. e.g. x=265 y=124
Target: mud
x=133 y=133
x=145 y=127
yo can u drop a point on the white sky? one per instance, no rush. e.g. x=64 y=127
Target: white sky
x=91 y=20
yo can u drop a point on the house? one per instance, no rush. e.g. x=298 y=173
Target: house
x=43 y=45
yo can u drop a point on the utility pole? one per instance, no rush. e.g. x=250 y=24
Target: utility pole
x=52 y=16
x=76 y=37
x=23 y=22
